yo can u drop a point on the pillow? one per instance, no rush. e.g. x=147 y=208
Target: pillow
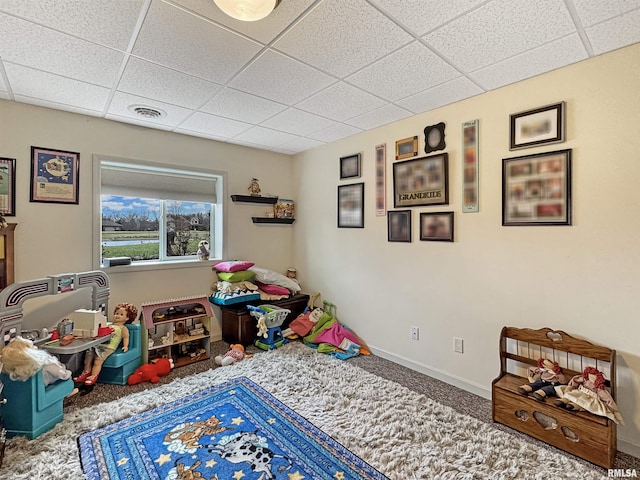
x=233 y=266
x=273 y=289
x=233 y=277
x=274 y=278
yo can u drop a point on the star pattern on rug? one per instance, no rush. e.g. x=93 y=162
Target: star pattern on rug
x=237 y=421
x=163 y=458
x=272 y=421
x=295 y=476
x=211 y=463
x=237 y=475
x=339 y=476
x=123 y=461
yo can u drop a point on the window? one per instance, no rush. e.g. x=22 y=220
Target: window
x=155 y=214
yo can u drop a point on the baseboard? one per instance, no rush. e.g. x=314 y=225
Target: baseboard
x=477 y=389
x=480 y=390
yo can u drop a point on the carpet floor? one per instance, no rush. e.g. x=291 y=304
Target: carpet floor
x=441 y=392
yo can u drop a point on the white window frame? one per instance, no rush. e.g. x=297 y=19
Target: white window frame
x=218 y=220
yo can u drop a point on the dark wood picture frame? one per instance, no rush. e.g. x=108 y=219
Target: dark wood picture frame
x=434 y=138
x=351 y=205
x=421 y=181
x=54 y=176
x=539 y=126
x=350 y=166
x=8 y=187
x=436 y=226
x=399 y=226
x=536 y=189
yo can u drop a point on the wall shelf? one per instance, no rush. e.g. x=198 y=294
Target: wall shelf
x=254 y=199
x=286 y=221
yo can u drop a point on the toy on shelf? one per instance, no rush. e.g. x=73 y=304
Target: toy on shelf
x=273 y=317
x=234 y=355
x=151 y=372
x=543 y=379
x=254 y=188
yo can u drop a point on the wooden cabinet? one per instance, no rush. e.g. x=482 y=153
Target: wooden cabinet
x=178 y=329
x=238 y=326
x=6 y=255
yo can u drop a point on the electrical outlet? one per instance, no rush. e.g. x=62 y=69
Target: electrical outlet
x=415 y=333
x=457 y=345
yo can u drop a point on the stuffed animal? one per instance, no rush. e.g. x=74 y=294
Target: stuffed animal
x=262 y=327
x=203 y=250
x=543 y=380
x=151 y=372
x=235 y=354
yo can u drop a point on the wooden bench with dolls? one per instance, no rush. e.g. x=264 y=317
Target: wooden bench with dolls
x=558 y=389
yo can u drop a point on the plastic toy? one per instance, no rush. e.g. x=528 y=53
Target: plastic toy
x=235 y=354
x=151 y=372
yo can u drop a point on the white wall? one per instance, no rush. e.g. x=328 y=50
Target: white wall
x=581 y=278
x=58 y=238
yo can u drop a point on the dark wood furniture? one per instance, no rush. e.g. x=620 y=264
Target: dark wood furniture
x=583 y=434
x=6 y=255
x=238 y=326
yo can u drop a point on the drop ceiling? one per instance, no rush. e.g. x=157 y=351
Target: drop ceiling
x=312 y=72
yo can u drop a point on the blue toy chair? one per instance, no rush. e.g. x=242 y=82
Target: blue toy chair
x=32 y=408
x=119 y=365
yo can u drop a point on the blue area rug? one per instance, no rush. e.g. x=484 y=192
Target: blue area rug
x=235 y=430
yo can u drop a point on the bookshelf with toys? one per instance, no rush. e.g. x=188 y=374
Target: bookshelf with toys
x=177 y=329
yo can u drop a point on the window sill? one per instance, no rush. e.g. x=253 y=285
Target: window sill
x=155 y=266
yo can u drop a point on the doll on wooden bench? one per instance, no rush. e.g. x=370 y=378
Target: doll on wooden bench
x=543 y=380
x=587 y=392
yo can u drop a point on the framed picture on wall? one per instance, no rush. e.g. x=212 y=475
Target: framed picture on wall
x=421 y=181
x=350 y=166
x=470 y=191
x=536 y=189
x=399 y=226
x=381 y=183
x=8 y=187
x=351 y=206
x=434 y=138
x=436 y=226
x=54 y=175
x=537 y=127
x=407 y=147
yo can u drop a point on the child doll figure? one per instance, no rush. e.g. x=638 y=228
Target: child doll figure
x=94 y=358
x=543 y=379
x=588 y=392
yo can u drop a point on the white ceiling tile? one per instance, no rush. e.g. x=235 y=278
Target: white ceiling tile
x=335 y=132
x=242 y=106
x=615 y=33
x=499 y=30
x=214 y=125
x=340 y=102
x=265 y=136
x=381 y=116
x=341 y=37
x=51 y=51
x=301 y=144
x=121 y=103
x=192 y=133
x=5 y=95
x=3 y=86
x=281 y=79
x=596 y=11
x=107 y=22
x=410 y=70
x=297 y=122
x=138 y=121
x=208 y=51
x=264 y=30
x=444 y=94
x=54 y=88
x=422 y=16
x=533 y=62
x=160 y=83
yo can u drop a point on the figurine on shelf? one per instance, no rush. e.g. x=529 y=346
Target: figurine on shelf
x=94 y=357
x=254 y=188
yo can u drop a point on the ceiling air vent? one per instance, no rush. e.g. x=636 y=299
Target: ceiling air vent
x=146 y=112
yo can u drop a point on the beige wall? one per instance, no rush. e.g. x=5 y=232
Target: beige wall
x=582 y=279
x=56 y=238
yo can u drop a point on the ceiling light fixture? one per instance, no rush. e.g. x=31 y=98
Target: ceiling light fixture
x=247 y=10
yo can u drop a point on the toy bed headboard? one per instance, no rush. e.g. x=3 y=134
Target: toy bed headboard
x=13 y=297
